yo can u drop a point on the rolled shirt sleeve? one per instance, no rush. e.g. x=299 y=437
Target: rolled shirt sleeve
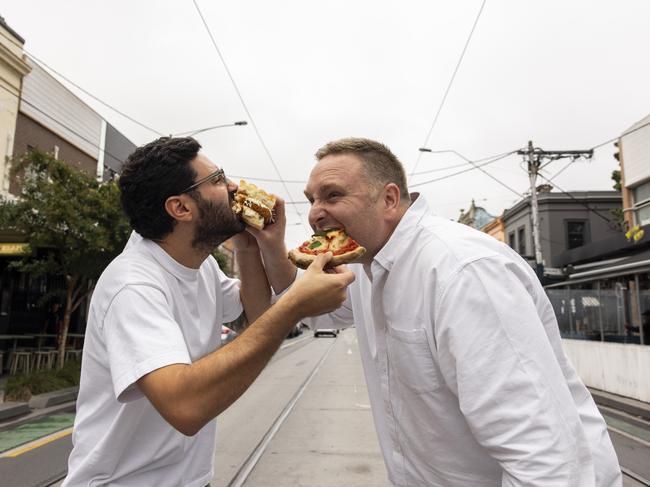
x=496 y=357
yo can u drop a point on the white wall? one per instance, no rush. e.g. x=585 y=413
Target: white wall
x=636 y=153
x=622 y=369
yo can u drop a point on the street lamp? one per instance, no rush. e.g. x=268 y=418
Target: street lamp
x=192 y=133
x=445 y=151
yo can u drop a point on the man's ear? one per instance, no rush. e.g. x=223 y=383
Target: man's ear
x=392 y=196
x=179 y=208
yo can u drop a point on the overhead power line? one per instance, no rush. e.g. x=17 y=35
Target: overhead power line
x=192 y=133
x=474 y=165
x=451 y=82
x=83 y=90
x=106 y=104
x=614 y=139
x=577 y=200
x=473 y=168
x=71 y=130
x=248 y=113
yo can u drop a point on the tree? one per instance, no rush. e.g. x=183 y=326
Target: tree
x=223 y=262
x=74 y=226
x=616 y=177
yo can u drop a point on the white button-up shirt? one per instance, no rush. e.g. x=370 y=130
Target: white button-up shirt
x=466 y=375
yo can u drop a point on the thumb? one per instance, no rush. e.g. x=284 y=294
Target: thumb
x=321 y=261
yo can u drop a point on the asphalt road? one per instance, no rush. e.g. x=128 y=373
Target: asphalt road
x=306 y=421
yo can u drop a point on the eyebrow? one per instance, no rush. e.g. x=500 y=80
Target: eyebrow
x=325 y=188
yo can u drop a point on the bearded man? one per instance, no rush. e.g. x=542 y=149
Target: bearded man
x=154 y=375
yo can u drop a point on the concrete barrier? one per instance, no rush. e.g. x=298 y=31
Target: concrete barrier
x=10 y=410
x=49 y=399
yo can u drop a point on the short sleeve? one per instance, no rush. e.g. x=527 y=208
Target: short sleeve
x=232 y=305
x=141 y=336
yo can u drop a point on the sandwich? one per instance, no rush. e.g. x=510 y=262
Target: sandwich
x=254 y=205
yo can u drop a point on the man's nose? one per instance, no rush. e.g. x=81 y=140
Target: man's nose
x=232 y=187
x=316 y=215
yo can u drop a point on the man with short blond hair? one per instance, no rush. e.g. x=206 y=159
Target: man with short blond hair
x=462 y=356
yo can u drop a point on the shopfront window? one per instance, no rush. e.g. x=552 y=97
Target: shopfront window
x=610 y=310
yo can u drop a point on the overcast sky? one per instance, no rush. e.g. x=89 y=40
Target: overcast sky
x=566 y=74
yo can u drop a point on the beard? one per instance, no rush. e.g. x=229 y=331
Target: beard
x=217 y=223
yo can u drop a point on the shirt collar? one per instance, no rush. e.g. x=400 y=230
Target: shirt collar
x=404 y=231
x=169 y=263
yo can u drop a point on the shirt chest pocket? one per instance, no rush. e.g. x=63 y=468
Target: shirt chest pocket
x=410 y=360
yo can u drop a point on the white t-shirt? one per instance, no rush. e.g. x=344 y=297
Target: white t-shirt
x=463 y=359
x=147 y=311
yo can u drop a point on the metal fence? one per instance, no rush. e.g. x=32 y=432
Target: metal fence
x=600 y=314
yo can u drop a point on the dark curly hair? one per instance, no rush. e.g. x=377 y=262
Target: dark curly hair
x=150 y=175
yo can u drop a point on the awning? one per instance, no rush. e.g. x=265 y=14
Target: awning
x=633 y=264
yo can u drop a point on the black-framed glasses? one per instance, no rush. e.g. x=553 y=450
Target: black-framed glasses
x=219 y=174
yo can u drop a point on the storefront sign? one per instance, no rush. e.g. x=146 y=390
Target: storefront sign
x=14 y=248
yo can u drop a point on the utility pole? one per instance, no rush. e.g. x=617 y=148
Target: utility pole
x=535 y=157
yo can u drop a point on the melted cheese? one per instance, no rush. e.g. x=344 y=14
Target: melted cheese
x=338 y=241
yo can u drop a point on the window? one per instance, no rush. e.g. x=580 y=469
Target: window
x=521 y=241
x=576 y=233
x=641 y=196
x=641 y=193
x=643 y=215
x=511 y=240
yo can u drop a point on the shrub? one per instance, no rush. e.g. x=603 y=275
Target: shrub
x=22 y=387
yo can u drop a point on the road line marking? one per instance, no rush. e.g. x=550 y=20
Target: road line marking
x=249 y=464
x=635 y=476
x=36 y=443
x=293 y=343
x=628 y=435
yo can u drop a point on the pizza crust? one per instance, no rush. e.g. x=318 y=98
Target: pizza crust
x=304 y=260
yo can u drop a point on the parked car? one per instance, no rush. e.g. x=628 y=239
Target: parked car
x=295 y=331
x=326 y=331
x=322 y=325
x=227 y=335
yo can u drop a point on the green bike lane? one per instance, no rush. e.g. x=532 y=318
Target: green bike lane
x=35 y=433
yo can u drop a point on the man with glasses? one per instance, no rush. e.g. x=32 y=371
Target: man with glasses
x=154 y=376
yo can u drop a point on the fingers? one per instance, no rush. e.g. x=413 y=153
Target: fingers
x=279 y=208
x=320 y=261
x=339 y=269
x=347 y=277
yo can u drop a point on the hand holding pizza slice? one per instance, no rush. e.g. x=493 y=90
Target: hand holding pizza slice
x=342 y=246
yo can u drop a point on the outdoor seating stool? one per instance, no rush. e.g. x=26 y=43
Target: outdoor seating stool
x=73 y=354
x=54 y=356
x=41 y=359
x=20 y=360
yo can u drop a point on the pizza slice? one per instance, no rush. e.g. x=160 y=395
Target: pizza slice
x=344 y=248
x=254 y=205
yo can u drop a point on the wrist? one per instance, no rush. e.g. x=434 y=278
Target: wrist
x=273 y=248
x=289 y=305
x=246 y=249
